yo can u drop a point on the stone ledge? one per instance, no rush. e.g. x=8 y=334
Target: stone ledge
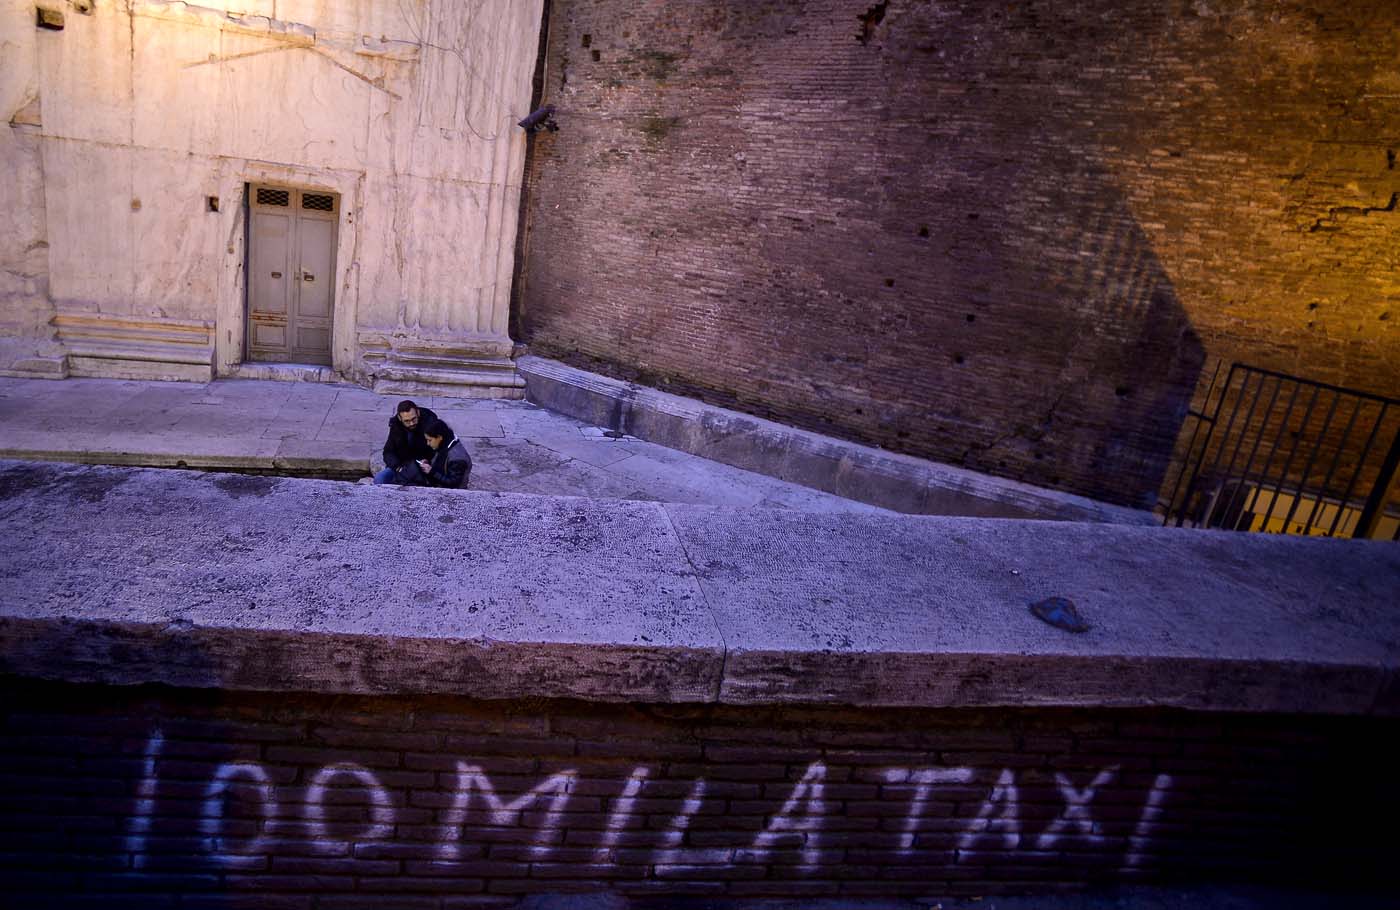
x=293 y=456
x=863 y=473
x=277 y=584
x=248 y=658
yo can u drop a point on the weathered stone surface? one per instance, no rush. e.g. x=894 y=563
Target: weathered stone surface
x=126 y=576
x=337 y=431
x=27 y=345
x=270 y=583
x=905 y=611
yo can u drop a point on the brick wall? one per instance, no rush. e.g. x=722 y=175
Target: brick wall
x=1006 y=236
x=130 y=796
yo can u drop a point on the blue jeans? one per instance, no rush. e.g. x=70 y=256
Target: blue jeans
x=411 y=476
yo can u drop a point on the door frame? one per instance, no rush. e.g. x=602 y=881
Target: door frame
x=231 y=329
x=294 y=302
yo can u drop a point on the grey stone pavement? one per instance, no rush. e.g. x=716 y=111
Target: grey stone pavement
x=310 y=428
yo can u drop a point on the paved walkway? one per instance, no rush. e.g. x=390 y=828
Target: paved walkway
x=309 y=428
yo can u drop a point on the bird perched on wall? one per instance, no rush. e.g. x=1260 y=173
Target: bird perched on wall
x=542 y=119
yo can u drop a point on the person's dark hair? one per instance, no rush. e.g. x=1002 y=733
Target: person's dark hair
x=405 y=406
x=439 y=428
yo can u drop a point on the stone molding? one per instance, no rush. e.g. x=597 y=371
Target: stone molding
x=134 y=348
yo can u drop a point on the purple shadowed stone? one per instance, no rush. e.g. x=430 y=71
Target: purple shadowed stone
x=1060 y=613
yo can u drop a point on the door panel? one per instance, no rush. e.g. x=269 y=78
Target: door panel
x=271 y=262
x=309 y=339
x=291 y=268
x=317 y=237
x=269 y=336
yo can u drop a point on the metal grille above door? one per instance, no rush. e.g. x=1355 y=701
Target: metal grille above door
x=268 y=196
x=291 y=269
x=1278 y=453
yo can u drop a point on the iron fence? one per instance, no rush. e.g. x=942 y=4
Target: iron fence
x=1282 y=454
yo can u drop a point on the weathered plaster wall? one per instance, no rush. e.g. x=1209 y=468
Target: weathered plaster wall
x=300 y=801
x=25 y=309
x=1004 y=236
x=146 y=108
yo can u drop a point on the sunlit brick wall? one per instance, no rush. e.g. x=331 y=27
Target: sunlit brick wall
x=1003 y=235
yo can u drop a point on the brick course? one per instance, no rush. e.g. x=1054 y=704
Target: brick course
x=1006 y=236
x=1052 y=799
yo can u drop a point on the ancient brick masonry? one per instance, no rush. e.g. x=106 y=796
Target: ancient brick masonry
x=1007 y=236
x=114 y=795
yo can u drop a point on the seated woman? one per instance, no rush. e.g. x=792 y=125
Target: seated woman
x=451 y=465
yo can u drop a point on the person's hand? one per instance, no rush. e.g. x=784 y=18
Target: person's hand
x=426 y=466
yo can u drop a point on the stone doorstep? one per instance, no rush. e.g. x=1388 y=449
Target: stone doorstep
x=862 y=473
x=607 y=600
x=281 y=372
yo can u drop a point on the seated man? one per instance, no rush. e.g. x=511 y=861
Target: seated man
x=451 y=465
x=406 y=446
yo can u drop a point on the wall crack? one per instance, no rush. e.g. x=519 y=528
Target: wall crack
x=1330 y=220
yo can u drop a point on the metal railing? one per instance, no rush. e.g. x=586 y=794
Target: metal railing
x=1282 y=454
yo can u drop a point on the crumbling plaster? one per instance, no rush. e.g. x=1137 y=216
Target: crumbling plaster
x=150 y=107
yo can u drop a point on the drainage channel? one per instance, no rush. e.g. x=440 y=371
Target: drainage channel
x=344 y=475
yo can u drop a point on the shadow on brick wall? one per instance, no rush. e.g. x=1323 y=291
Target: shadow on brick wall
x=899 y=229
x=1107 y=358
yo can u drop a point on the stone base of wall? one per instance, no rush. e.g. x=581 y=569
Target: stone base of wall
x=863 y=473
x=142 y=794
x=119 y=347
x=475 y=368
x=108 y=347
x=30 y=364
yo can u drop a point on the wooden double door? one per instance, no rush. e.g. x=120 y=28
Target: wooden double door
x=291 y=273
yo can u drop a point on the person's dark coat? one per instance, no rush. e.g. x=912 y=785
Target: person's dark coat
x=452 y=465
x=405 y=446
